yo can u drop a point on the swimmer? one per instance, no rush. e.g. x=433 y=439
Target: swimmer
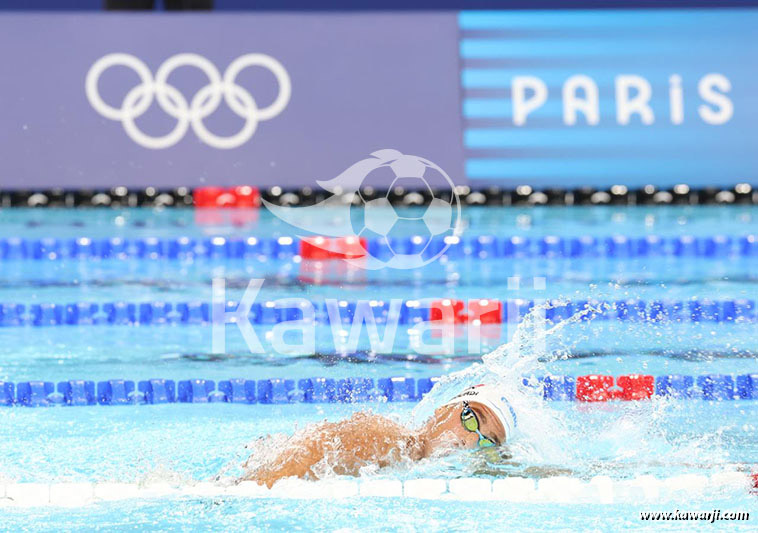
x=479 y=417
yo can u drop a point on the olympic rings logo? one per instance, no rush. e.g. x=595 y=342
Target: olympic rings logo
x=203 y=103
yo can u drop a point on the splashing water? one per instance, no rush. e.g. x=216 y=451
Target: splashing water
x=525 y=355
x=629 y=438
x=619 y=439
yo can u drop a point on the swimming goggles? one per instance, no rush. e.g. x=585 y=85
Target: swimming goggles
x=471 y=423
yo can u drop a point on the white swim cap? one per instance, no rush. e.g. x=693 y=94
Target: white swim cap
x=489 y=396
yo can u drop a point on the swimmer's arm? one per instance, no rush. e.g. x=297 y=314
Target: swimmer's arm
x=345 y=446
x=295 y=460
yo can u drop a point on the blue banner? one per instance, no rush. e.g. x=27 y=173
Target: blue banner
x=600 y=97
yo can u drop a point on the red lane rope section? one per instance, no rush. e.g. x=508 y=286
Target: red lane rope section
x=242 y=196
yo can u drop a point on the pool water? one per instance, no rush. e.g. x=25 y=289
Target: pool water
x=182 y=443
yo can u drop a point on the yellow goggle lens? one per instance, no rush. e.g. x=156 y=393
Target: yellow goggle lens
x=470 y=422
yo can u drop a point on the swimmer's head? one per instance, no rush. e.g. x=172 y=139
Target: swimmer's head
x=496 y=418
x=451 y=425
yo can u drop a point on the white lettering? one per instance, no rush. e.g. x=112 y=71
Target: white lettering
x=588 y=105
x=522 y=105
x=706 y=88
x=676 y=99
x=241 y=316
x=363 y=313
x=627 y=105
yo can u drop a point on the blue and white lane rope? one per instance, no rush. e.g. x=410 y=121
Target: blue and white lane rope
x=710 y=387
x=410 y=312
x=558 y=489
x=478 y=247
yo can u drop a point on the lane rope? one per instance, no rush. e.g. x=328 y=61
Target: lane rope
x=408 y=312
x=287 y=247
x=558 y=489
x=587 y=388
x=246 y=196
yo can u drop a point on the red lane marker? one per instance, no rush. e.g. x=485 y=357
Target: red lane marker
x=324 y=248
x=451 y=311
x=635 y=387
x=207 y=196
x=486 y=311
x=454 y=311
x=246 y=196
x=594 y=388
x=243 y=196
x=315 y=248
x=349 y=247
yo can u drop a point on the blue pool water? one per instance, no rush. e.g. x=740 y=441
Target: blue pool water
x=184 y=443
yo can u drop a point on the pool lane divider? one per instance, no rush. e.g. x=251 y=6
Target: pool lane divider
x=319 y=248
x=588 y=388
x=248 y=197
x=483 y=311
x=600 y=489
